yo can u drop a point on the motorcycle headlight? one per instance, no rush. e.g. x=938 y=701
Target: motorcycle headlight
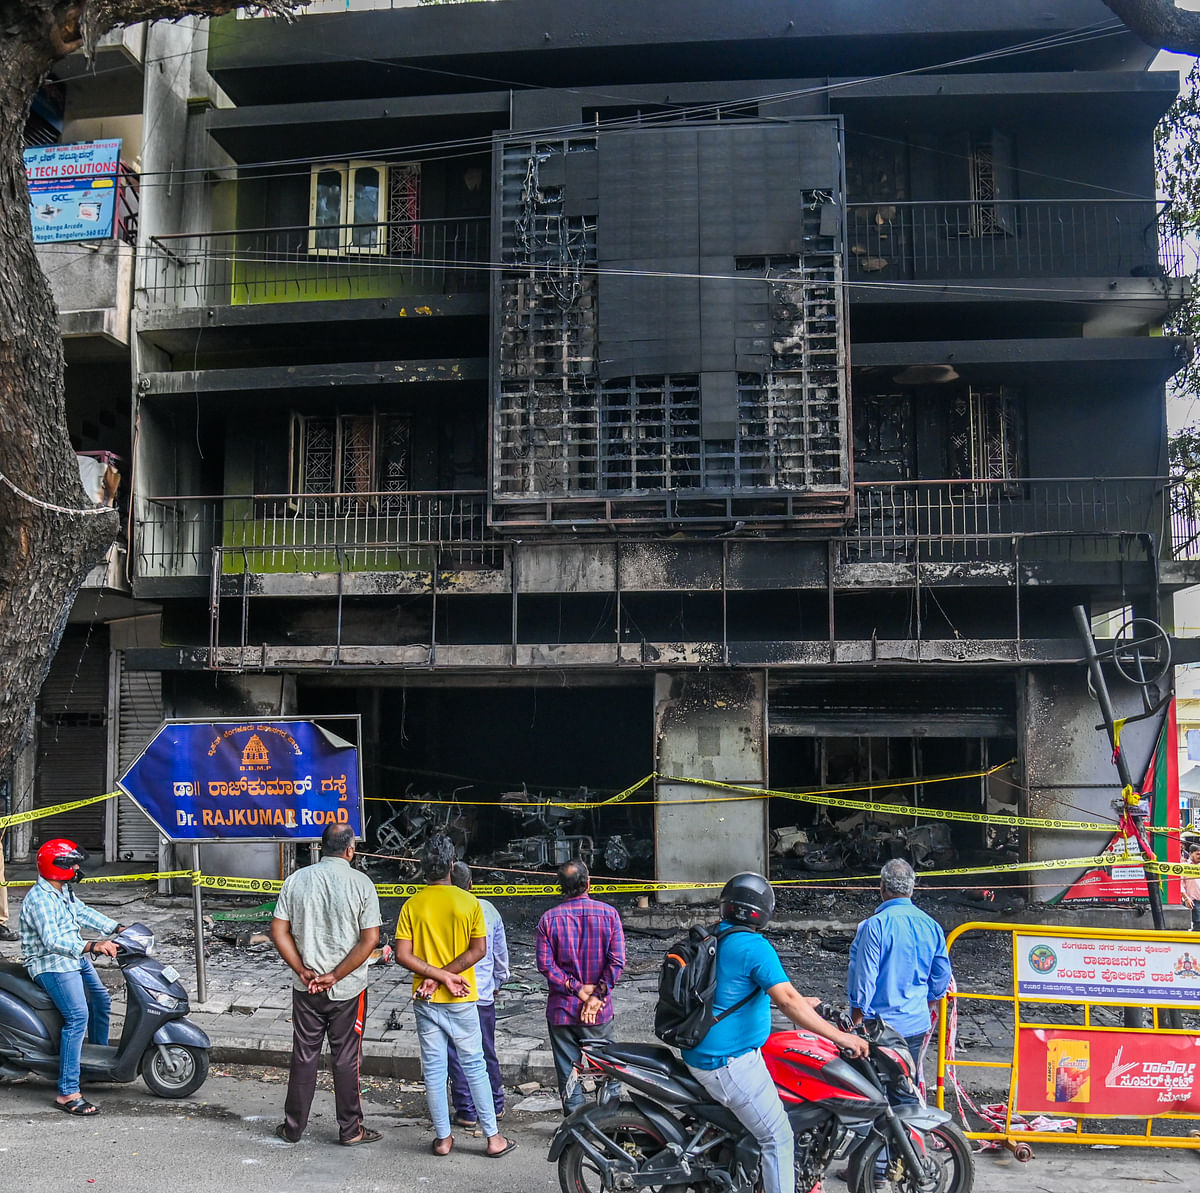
x=166 y=1001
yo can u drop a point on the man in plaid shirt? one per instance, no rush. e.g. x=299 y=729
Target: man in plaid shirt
x=60 y=962
x=581 y=952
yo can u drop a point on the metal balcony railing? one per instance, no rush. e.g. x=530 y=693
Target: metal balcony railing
x=339 y=532
x=306 y=262
x=962 y=519
x=1017 y=238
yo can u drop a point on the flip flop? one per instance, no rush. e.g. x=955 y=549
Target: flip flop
x=509 y=1145
x=367 y=1136
x=448 y=1141
x=78 y=1106
x=281 y=1132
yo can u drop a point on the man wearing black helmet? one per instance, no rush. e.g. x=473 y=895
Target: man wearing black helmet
x=728 y=1062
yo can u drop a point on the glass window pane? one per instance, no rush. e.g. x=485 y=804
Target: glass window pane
x=328 y=208
x=366 y=207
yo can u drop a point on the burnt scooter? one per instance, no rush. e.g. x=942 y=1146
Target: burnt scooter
x=157 y=1039
x=667 y=1131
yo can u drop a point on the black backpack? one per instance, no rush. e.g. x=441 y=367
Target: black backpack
x=687 y=987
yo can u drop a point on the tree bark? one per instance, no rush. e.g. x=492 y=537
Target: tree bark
x=45 y=553
x=1160 y=24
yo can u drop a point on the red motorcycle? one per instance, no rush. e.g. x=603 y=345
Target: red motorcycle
x=666 y=1131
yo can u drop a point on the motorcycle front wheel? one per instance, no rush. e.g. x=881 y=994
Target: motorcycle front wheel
x=627 y=1128
x=181 y=1072
x=950 y=1166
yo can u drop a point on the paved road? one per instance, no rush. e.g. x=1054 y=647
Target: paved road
x=223 y=1142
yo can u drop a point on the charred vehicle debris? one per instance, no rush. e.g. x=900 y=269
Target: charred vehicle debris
x=534 y=830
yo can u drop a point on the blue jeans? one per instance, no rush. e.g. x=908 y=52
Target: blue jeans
x=440 y=1024
x=460 y=1093
x=745 y=1087
x=83 y=1003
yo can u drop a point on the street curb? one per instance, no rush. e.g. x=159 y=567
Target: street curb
x=400 y=1061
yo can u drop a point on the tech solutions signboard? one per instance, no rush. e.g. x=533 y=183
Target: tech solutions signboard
x=73 y=190
x=249 y=780
x=1118 y=971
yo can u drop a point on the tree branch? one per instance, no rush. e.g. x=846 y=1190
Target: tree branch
x=1160 y=24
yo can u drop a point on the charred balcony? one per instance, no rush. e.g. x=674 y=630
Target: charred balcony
x=1014 y=238
x=316 y=263
x=351 y=539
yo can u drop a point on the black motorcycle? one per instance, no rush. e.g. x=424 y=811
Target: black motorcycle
x=666 y=1131
x=157 y=1039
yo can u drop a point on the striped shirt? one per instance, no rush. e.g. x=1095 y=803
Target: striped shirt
x=50 y=922
x=579 y=943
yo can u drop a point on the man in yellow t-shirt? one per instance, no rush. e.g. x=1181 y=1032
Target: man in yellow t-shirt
x=439 y=937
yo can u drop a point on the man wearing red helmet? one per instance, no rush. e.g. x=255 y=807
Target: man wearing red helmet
x=60 y=962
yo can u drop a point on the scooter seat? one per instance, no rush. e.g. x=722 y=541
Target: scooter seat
x=15 y=980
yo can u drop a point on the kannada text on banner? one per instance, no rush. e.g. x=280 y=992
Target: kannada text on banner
x=1106 y=1073
x=251 y=780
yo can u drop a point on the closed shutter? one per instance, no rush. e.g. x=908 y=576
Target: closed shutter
x=140 y=708
x=73 y=739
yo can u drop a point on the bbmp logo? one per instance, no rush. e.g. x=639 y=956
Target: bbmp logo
x=1042 y=958
x=255 y=756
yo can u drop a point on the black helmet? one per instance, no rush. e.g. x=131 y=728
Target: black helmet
x=747 y=898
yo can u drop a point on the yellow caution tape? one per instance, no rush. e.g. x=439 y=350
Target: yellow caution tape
x=54 y=810
x=829 y=800
x=396 y=890
x=117 y=878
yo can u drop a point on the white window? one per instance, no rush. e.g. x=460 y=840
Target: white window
x=362 y=207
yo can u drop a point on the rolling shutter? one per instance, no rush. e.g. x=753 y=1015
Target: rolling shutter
x=139 y=696
x=73 y=739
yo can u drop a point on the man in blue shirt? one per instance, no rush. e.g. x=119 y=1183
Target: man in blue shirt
x=899 y=966
x=491 y=972
x=728 y=1062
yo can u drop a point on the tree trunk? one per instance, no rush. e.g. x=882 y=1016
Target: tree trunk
x=44 y=554
x=52 y=535
x=1160 y=24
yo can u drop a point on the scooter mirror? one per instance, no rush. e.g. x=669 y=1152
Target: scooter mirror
x=136 y=938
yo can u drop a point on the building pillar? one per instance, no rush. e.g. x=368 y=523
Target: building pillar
x=708 y=725
x=1068 y=767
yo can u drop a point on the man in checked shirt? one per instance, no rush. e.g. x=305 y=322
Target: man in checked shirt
x=581 y=952
x=61 y=963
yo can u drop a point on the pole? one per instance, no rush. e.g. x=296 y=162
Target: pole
x=198 y=928
x=1106 y=708
x=1100 y=687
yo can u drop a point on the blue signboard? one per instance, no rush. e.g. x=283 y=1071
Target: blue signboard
x=247 y=780
x=73 y=190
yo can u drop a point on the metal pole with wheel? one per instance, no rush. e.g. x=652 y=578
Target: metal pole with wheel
x=1130 y=658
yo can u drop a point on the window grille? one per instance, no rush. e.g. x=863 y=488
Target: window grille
x=364 y=208
x=984 y=435
x=348 y=454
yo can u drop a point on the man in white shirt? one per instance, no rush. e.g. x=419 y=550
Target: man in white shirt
x=325 y=927
x=491 y=972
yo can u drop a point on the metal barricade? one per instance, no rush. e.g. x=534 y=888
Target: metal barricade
x=1067 y=1060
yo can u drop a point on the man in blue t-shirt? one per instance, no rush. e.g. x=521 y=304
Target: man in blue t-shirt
x=728 y=1062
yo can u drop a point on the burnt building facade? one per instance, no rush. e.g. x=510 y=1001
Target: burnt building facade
x=740 y=393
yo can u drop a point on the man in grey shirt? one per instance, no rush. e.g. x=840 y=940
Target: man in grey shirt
x=325 y=927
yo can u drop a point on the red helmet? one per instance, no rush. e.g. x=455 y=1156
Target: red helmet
x=60 y=860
